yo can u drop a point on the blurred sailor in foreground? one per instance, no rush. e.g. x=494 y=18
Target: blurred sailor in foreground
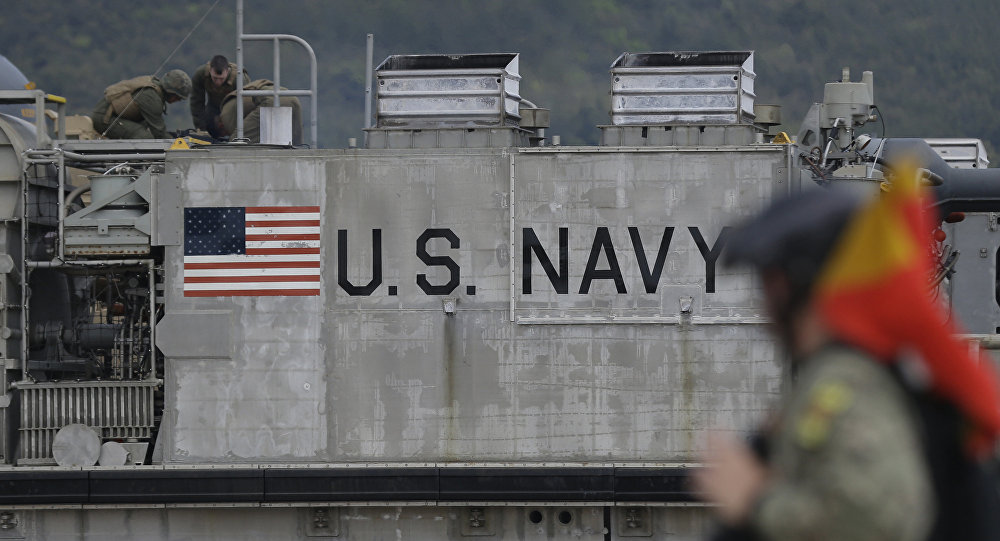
x=883 y=432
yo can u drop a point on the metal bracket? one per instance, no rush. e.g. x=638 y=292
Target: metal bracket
x=478 y=521
x=322 y=522
x=9 y=526
x=634 y=522
x=8 y=520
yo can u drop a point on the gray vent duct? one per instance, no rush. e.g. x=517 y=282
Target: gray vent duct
x=656 y=89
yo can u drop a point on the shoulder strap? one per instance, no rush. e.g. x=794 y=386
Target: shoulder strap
x=119 y=96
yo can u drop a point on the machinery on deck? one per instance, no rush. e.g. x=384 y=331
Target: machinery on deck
x=460 y=330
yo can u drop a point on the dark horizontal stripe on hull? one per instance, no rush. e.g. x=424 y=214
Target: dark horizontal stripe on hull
x=30 y=486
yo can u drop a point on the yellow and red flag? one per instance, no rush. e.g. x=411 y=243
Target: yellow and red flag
x=874 y=292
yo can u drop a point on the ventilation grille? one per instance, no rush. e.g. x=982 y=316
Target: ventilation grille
x=448 y=91
x=701 y=88
x=119 y=410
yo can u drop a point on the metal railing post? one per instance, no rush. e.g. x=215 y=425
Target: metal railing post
x=277 y=71
x=369 y=58
x=61 y=164
x=42 y=137
x=277 y=92
x=152 y=320
x=24 y=271
x=239 y=69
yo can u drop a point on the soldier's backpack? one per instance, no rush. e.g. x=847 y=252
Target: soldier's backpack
x=119 y=97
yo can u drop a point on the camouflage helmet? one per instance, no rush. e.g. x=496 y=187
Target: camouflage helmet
x=178 y=83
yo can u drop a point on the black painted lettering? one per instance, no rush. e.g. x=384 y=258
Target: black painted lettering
x=437 y=261
x=529 y=244
x=343 y=280
x=651 y=279
x=710 y=255
x=602 y=243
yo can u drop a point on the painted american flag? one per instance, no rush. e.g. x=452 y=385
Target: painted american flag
x=251 y=251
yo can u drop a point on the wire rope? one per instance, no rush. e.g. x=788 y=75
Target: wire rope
x=164 y=63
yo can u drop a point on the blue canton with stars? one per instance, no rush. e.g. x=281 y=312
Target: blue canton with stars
x=214 y=231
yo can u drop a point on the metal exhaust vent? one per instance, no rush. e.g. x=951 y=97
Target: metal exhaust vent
x=448 y=91
x=656 y=89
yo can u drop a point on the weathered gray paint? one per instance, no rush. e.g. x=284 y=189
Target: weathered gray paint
x=208 y=334
x=593 y=377
x=973 y=288
x=169 y=227
x=268 y=398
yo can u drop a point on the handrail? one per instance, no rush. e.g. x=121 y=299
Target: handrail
x=39 y=99
x=276 y=91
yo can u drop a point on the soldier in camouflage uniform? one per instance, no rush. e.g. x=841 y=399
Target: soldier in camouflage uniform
x=842 y=458
x=251 y=112
x=210 y=85
x=134 y=108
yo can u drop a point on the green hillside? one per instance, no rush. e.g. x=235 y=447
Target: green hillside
x=935 y=68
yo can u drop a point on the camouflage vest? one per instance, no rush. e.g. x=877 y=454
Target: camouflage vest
x=119 y=97
x=258 y=84
x=250 y=102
